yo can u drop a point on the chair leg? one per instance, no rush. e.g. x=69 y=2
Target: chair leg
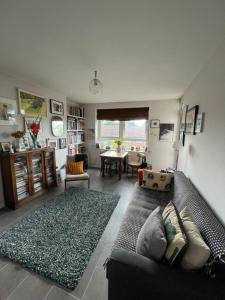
x=89 y=183
x=65 y=184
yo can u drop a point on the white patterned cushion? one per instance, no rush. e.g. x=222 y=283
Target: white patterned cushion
x=156 y=180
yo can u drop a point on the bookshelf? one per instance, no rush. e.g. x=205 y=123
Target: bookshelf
x=75 y=130
x=27 y=174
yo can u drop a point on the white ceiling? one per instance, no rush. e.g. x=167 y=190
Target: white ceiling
x=142 y=49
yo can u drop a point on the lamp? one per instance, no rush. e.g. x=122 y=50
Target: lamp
x=177 y=146
x=95 y=85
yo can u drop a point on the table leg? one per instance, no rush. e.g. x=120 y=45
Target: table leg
x=103 y=166
x=125 y=164
x=120 y=168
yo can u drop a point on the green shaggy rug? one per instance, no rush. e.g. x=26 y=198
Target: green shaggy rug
x=57 y=240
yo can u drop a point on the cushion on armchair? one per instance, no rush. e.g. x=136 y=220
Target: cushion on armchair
x=156 y=180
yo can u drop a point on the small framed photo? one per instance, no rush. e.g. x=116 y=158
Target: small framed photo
x=154 y=123
x=53 y=143
x=26 y=142
x=62 y=143
x=199 y=122
x=6 y=147
x=56 y=107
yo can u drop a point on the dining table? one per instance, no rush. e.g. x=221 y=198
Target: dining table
x=121 y=157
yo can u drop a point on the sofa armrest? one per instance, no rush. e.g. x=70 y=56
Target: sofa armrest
x=133 y=276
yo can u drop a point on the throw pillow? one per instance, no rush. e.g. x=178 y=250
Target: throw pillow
x=75 y=168
x=175 y=234
x=151 y=240
x=197 y=252
x=156 y=180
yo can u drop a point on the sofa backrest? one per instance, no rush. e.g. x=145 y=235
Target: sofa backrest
x=212 y=230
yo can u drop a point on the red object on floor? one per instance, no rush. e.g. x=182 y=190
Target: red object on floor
x=140 y=176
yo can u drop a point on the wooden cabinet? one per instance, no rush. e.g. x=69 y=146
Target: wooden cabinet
x=27 y=174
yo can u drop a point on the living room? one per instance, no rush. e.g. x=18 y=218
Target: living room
x=112 y=149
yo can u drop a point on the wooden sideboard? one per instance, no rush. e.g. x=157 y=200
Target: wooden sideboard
x=27 y=174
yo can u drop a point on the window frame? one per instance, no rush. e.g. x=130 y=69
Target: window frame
x=121 y=133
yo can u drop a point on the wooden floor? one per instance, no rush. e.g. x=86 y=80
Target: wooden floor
x=17 y=283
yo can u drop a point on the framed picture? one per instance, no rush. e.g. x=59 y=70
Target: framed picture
x=6 y=147
x=191 y=120
x=184 y=110
x=62 y=143
x=8 y=111
x=32 y=105
x=166 y=131
x=154 y=123
x=199 y=122
x=56 y=107
x=53 y=143
x=28 y=123
x=26 y=142
x=182 y=138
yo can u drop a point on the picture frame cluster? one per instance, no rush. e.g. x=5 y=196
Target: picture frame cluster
x=30 y=106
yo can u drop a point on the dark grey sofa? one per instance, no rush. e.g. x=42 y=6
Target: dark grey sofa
x=133 y=276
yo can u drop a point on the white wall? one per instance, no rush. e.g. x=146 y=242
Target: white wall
x=8 y=89
x=203 y=157
x=161 y=154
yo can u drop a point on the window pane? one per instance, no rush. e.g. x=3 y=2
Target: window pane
x=135 y=129
x=109 y=129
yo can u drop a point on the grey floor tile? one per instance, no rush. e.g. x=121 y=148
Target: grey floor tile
x=98 y=286
x=3 y=262
x=80 y=289
x=10 y=277
x=59 y=294
x=32 y=288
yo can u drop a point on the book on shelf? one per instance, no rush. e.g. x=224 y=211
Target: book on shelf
x=76 y=111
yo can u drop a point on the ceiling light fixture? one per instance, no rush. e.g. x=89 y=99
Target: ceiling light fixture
x=95 y=85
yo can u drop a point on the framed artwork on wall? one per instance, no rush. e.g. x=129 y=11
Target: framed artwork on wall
x=56 y=107
x=32 y=105
x=199 y=122
x=62 y=143
x=191 y=120
x=166 y=131
x=184 y=110
x=8 y=111
x=53 y=143
x=154 y=123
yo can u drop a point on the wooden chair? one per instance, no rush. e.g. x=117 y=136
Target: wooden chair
x=134 y=162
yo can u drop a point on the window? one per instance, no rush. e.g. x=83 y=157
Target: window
x=133 y=133
x=108 y=129
x=135 y=130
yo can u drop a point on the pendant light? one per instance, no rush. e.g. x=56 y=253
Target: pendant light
x=95 y=85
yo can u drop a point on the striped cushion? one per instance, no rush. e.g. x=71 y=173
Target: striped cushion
x=75 y=168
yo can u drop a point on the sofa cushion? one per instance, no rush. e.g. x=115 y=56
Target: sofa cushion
x=151 y=240
x=197 y=252
x=175 y=234
x=156 y=180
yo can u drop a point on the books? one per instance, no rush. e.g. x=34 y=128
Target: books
x=76 y=111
